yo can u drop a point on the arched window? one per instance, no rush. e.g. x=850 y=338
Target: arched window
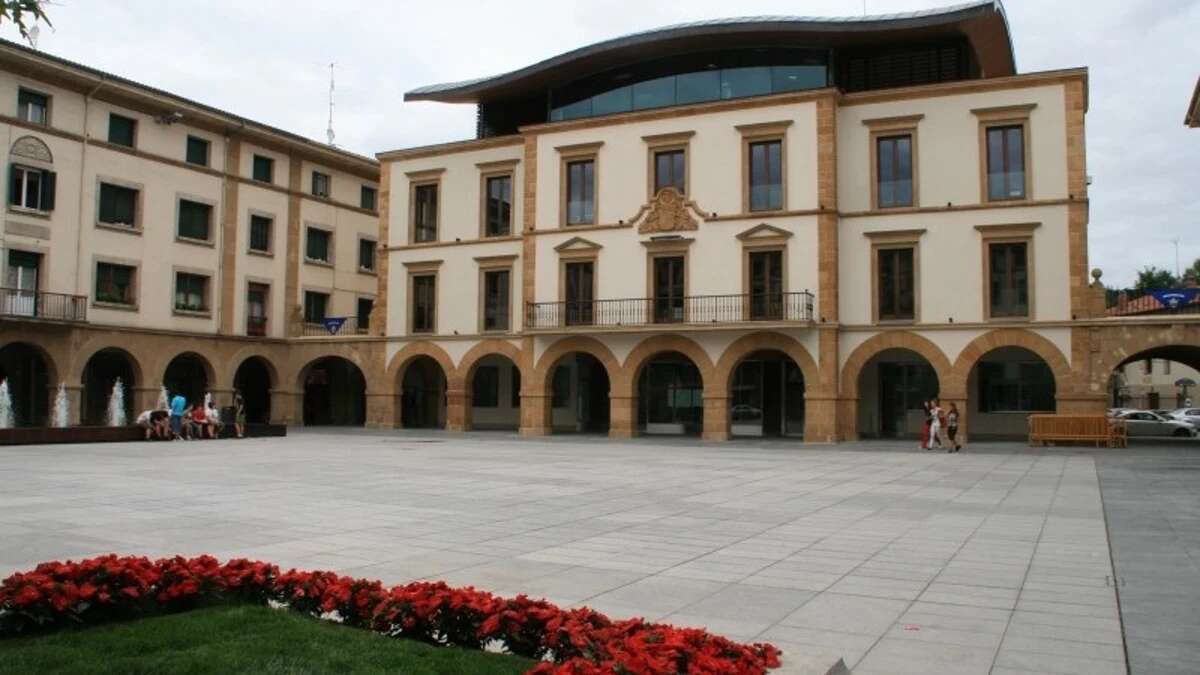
x=31 y=183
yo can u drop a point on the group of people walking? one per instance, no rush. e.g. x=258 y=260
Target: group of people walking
x=182 y=420
x=940 y=427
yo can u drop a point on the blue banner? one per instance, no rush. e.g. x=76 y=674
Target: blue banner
x=1176 y=297
x=334 y=324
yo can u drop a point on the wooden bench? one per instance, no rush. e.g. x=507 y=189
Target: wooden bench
x=1096 y=429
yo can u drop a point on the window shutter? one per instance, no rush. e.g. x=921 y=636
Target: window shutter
x=13 y=197
x=48 y=184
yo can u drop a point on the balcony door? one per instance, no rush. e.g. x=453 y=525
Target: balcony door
x=669 y=275
x=579 y=292
x=766 y=285
x=22 y=283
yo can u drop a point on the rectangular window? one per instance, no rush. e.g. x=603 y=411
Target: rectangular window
x=256 y=309
x=1006 y=162
x=191 y=292
x=33 y=107
x=669 y=170
x=121 y=130
x=1009 y=284
x=195 y=220
x=114 y=283
x=31 y=188
x=197 y=151
x=496 y=304
x=260 y=233
x=766 y=285
x=425 y=213
x=485 y=390
x=580 y=294
x=581 y=192
x=363 y=314
x=893 y=155
x=499 y=206
x=424 y=303
x=897 y=298
x=366 y=255
x=118 y=205
x=1015 y=386
x=766 y=176
x=264 y=169
x=316 y=245
x=315 y=306
x=320 y=184
x=368 y=197
x=669 y=276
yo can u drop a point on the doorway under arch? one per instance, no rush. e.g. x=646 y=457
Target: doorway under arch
x=28 y=374
x=892 y=385
x=766 y=396
x=1005 y=386
x=99 y=375
x=254 y=378
x=188 y=375
x=495 y=385
x=335 y=393
x=579 y=386
x=670 y=396
x=423 y=394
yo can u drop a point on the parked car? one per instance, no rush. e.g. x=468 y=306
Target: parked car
x=1189 y=415
x=1146 y=423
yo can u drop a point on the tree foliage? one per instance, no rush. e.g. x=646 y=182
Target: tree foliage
x=24 y=13
x=1152 y=278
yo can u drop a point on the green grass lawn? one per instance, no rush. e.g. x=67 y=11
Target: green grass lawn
x=239 y=639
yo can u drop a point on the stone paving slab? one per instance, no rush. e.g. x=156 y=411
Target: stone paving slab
x=894 y=560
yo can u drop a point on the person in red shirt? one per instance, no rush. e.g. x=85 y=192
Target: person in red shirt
x=200 y=423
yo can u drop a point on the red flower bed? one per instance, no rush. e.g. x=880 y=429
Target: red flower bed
x=566 y=641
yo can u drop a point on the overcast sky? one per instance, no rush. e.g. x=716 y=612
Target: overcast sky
x=268 y=60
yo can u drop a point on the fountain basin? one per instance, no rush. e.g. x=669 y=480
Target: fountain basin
x=89 y=434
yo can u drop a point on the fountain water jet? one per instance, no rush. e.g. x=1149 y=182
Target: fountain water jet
x=62 y=408
x=116 y=405
x=164 y=401
x=6 y=409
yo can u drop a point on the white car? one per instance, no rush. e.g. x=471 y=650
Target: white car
x=1146 y=423
x=1189 y=415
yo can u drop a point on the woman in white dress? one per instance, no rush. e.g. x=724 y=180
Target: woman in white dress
x=935 y=423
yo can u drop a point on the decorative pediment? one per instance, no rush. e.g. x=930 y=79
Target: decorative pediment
x=33 y=148
x=669 y=211
x=764 y=231
x=577 y=244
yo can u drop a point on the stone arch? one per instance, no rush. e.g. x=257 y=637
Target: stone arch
x=647 y=349
x=94 y=380
x=339 y=400
x=469 y=361
x=35 y=385
x=92 y=351
x=1119 y=345
x=246 y=353
x=206 y=363
x=756 y=342
x=540 y=382
x=32 y=148
x=900 y=339
x=454 y=385
x=1007 y=337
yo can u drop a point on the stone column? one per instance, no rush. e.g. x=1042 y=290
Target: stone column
x=823 y=419
x=820 y=418
x=379 y=410
x=535 y=413
x=622 y=416
x=145 y=398
x=716 y=418
x=456 y=409
x=287 y=407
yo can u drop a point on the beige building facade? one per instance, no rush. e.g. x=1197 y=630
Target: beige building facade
x=783 y=227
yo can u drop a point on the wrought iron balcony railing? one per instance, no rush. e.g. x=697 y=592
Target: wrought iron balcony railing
x=339 y=326
x=22 y=303
x=691 y=310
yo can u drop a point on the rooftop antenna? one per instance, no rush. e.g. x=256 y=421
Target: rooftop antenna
x=1176 y=242
x=329 y=130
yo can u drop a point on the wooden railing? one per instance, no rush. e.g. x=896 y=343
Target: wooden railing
x=1095 y=429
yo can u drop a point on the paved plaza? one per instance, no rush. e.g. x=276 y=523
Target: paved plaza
x=897 y=561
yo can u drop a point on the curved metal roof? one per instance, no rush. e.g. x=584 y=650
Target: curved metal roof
x=983 y=23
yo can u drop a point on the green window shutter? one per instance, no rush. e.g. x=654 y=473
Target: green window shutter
x=48 y=185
